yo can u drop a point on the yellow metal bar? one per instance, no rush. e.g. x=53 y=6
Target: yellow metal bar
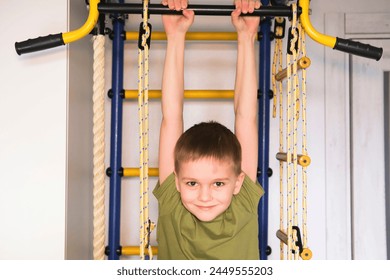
x=190 y=36
x=303 y=63
x=132 y=94
x=190 y=94
x=90 y=23
x=134 y=172
x=303 y=160
x=134 y=251
x=314 y=34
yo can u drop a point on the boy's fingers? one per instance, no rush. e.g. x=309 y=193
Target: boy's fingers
x=245 y=6
x=237 y=3
x=171 y=4
x=257 y=4
x=174 y=4
x=178 y=5
x=189 y=14
x=235 y=14
x=251 y=6
x=184 y=4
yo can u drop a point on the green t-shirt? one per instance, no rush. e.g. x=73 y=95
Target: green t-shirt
x=232 y=235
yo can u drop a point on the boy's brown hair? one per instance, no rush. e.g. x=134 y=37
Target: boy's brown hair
x=208 y=140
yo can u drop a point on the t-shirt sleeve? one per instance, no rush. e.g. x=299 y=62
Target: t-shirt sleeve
x=161 y=189
x=167 y=194
x=250 y=194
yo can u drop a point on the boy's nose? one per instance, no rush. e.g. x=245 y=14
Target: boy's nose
x=205 y=193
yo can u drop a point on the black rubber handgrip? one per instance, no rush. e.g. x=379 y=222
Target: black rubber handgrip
x=358 y=48
x=39 y=44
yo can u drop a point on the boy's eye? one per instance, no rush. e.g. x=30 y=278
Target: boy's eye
x=219 y=184
x=191 y=184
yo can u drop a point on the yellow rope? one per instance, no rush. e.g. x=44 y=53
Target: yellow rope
x=277 y=88
x=143 y=108
x=295 y=95
x=99 y=230
x=289 y=162
x=295 y=113
x=281 y=145
x=304 y=142
x=291 y=141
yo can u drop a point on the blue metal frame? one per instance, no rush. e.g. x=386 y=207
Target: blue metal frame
x=116 y=139
x=264 y=120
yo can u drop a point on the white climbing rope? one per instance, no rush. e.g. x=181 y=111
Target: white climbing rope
x=99 y=231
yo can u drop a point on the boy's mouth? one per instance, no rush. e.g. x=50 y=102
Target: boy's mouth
x=205 y=207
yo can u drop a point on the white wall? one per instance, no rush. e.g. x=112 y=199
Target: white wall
x=33 y=121
x=80 y=162
x=46 y=136
x=336 y=113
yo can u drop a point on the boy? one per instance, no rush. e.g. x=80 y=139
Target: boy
x=207 y=197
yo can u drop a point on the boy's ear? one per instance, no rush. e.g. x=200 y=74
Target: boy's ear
x=177 y=181
x=239 y=182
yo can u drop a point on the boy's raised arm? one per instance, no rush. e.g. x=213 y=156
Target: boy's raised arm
x=173 y=85
x=245 y=95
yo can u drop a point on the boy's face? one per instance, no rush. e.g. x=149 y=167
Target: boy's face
x=207 y=186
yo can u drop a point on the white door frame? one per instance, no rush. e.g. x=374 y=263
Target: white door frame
x=337 y=127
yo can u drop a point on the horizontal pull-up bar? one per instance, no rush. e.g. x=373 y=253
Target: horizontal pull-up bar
x=202 y=10
x=55 y=40
x=51 y=41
